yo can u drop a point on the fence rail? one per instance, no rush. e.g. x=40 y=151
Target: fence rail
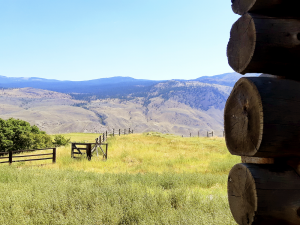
x=11 y=155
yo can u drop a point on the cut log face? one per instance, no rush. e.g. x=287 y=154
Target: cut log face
x=260 y=44
x=264 y=194
x=261 y=118
x=242 y=194
x=267 y=7
x=241 y=45
x=243 y=119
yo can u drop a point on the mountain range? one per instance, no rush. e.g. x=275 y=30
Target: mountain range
x=172 y=106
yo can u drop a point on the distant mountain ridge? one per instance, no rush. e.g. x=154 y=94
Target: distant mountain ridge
x=100 y=85
x=173 y=106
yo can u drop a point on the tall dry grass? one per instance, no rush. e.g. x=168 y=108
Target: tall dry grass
x=149 y=178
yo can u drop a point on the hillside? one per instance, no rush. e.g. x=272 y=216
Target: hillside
x=179 y=107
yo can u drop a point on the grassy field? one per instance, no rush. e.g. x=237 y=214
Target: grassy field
x=148 y=178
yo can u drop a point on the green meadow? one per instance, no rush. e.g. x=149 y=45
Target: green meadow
x=149 y=178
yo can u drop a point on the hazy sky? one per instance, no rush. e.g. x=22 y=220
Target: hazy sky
x=90 y=39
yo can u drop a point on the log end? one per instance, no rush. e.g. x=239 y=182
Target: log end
x=243 y=119
x=242 y=194
x=241 y=45
x=242 y=7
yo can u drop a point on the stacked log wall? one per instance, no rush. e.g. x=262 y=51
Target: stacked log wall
x=262 y=114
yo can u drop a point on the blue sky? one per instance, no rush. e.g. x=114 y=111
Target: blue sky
x=145 y=39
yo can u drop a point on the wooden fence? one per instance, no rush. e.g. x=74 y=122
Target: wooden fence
x=77 y=148
x=103 y=136
x=16 y=154
x=119 y=132
x=208 y=134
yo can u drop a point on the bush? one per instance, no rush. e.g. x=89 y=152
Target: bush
x=17 y=134
x=60 y=140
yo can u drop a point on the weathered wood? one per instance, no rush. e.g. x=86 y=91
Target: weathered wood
x=22 y=156
x=10 y=155
x=54 y=156
x=261 y=118
x=72 y=150
x=260 y=44
x=80 y=148
x=267 y=7
x=4 y=157
x=89 y=151
x=293 y=162
x=31 y=150
x=264 y=194
x=257 y=160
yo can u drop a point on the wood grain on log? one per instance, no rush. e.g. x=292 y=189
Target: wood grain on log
x=267 y=7
x=260 y=44
x=264 y=194
x=257 y=160
x=262 y=118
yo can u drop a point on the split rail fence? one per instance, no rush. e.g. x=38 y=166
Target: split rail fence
x=11 y=156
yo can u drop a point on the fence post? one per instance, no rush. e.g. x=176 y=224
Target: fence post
x=54 y=155
x=103 y=137
x=72 y=147
x=106 y=151
x=106 y=135
x=119 y=132
x=212 y=133
x=198 y=134
x=132 y=131
x=113 y=132
x=10 y=157
x=88 y=151
x=207 y=133
x=129 y=131
x=124 y=131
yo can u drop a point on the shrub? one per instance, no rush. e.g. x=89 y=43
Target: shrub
x=17 y=134
x=60 y=140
